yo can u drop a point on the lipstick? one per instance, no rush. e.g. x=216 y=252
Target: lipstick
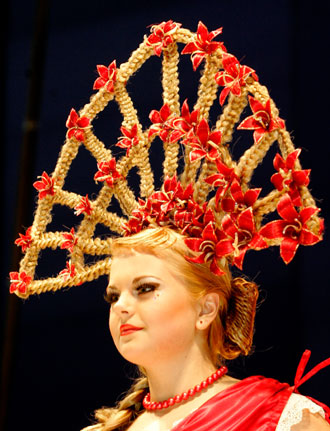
x=128 y=329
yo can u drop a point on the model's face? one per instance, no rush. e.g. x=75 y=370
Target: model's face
x=144 y=294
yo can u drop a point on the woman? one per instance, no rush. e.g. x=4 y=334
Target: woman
x=179 y=322
x=176 y=312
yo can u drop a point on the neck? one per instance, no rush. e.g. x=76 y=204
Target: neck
x=172 y=377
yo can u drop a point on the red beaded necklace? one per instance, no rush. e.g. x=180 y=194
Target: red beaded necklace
x=154 y=405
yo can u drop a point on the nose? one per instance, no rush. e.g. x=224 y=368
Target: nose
x=124 y=304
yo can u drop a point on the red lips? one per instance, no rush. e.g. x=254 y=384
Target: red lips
x=128 y=329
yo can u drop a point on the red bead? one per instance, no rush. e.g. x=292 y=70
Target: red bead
x=192 y=392
x=198 y=388
x=171 y=401
x=185 y=396
x=153 y=406
x=209 y=380
x=215 y=376
x=164 y=405
x=177 y=398
x=204 y=384
x=159 y=406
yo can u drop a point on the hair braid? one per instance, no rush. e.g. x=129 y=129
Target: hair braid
x=125 y=412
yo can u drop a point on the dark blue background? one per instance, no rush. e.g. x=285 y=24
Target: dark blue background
x=64 y=364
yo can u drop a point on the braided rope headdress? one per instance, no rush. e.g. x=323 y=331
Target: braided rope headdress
x=209 y=200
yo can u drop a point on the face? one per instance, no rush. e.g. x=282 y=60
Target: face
x=152 y=315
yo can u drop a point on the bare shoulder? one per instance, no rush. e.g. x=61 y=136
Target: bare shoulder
x=311 y=422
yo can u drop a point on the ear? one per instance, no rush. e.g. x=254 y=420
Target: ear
x=209 y=306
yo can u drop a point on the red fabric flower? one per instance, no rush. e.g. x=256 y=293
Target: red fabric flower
x=139 y=219
x=107 y=78
x=289 y=178
x=222 y=180
x=233 y=77
x=70 y=240
x=162 y=35
x=24 y=241
x=203 y=142
x=243 y=233
x=203 y=45
x=261 y=121
x=45 y=186
x=161 y=126
x=292 y=229
x=165 y=207
x=76 y=126
x=69 y=271
x=84 y=206
x=129 y=138
x=239 y=200
x=19 y=281
x=107 y=172
x=213 y=245
x=182 y=125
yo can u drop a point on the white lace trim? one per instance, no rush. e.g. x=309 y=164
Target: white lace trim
x=292 y=412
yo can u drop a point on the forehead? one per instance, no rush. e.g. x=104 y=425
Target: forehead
x=133 y=264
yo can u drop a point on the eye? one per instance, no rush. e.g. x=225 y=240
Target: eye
x=146 y=287
x=111 y=297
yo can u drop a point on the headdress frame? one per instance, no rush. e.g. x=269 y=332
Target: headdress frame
x=209 y=201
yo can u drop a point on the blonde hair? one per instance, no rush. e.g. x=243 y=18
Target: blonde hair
x=230 y=333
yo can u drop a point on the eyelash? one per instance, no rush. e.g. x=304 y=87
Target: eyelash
x=112 y=297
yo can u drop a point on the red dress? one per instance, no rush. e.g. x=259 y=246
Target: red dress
x=253 y=404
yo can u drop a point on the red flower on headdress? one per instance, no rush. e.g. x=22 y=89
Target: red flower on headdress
x=203 y=142
x=160 y=126
x=203 y=45
x=107 y=78
x=222 y=180
x=191 y=218
x=172 y=196
x=84 y=206
x=24 y=241
x=69 y=271
x=182 y=125
x=213 y=245
x=239 y=200
x=289 y=178
x=139 y=219
x=169 y=206
x=162 y=35
x=233 y=77
x=243 y=233
x=19 y=281
x=70 y=240
x=261 y=121
x=76 y=126
x=129 y=138
x=107 y=172
x=292 y=229
x=45 y=186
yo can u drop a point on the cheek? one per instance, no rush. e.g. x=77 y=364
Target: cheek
x=172 y=318
x=113 y=325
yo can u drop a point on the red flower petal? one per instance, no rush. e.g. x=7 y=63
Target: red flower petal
x=286 y=209
x=214 y=267
x=223 y=248
x=306 y=213
x=277 y=180
x=193 y=243
x=245 y=220
x=308 y=238
x=273 y=229
x=288 y=249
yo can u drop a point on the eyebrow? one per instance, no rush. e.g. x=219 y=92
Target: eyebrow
x=135 y=281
